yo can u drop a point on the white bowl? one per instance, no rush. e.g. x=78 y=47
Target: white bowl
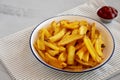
x=106 y=34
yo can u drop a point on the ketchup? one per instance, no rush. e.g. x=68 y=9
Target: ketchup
x=107 y=12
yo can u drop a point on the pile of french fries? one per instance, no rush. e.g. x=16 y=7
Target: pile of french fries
x=70 y=45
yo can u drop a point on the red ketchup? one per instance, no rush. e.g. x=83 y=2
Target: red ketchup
x=107 y=12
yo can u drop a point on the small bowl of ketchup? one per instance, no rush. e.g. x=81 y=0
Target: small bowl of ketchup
x=107 y=13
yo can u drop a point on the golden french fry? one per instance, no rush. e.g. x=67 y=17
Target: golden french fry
x=74 y=68
x=90 y=63
x=46 y=33
x=54 y=62
x=41 y=55
x=82 y=30
x=52 y=46
x=62 y=57
x=75 y=31
x=98 y=48
x=93 y=31
x=69 y=39
x=71 y=25
x=91 y=49
x=86 y=57
x=71 y=55
x=58 y=36
x=40 y=44
x=53 y=52
x=81 y=52
x=62 y=48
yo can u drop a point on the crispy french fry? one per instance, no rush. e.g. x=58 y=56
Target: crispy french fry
x=41 y=55
x=62 y=57
x=46 y=33
x=71 y=55
x=86 y=57
x=91 y=49
x=58 y=36
x=71 y=25
x=98 y=48
x=82 y=30
x=69 y=39
x=53 y=52
x=52 y=46
x=81 y=52
x=90 y=63
x=74 y=68
x=93 y=31
x=40 y=44
x=62 y=49
x=54 y=62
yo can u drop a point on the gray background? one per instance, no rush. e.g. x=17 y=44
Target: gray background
x=16 y=15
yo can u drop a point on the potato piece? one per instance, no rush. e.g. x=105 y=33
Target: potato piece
x=82 y=30
x=40 y=44
x=98 y=48
x=62 y=48
x=52 y=46
x=86 y=57
x=58 y=36
x=69 y=39
x=93 y=29
x=71 y=25
x=62 y=57
x=46 y=33
x=75 y=31
x=89 y=63
x=71 y=55
x=81 y=52
x=74 y=68
x=54 y=62
x=53 y=52
x=91 y=49
x=41 y=55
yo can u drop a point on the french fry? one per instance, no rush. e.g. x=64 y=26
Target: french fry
x=53 y=52
x=46 y=33
x=69 y=39
x=93 y=31
x=62 y=57
x=90 y=63
x=41 y=55
x=98 y=48
x=53 y=61
x=58 y=36
x=81 y=52
x=82 y=30
x=71 y=55
x=91 y=49
x=62 y=48
x=86 y=57
x=40 y=44
x=52 y=46
x=74 y=68
x=71 y=25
